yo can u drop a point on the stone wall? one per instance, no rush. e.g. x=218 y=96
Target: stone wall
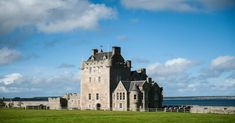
x=25 y=104
x=57 y=103
x=73 y=101
x=213 y=109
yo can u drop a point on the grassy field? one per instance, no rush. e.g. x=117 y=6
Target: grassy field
x=74 y=116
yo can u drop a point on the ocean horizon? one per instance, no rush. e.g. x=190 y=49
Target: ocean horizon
x=200 y=101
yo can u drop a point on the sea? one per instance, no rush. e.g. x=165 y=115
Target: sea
x=199 y=102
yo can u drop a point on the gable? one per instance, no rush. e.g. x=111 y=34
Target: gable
x=120 y=87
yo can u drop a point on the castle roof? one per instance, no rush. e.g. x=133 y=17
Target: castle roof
x=133 y=85
x=100 y=56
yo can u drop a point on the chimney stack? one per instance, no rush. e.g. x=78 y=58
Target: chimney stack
x=116 y=50
x=128 y=63
x=94 y=51
x=149 y=79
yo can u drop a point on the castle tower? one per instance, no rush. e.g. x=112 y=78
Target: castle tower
x=100 y=75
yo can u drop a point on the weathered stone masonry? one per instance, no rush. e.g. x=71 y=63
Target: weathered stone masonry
x=108 y=83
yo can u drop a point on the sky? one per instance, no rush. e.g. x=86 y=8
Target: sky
x=187 y=46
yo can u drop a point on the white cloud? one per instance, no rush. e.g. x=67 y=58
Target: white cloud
x=169 y=68
x=8 y=55
x=223 y=63
x=11 y=78
x=4 y=89
x=178 y=5
x=48 y=84
x=52 y=16
x=219 y=66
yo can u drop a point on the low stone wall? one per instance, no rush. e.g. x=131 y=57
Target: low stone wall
x=24 y=104
x=213 y=109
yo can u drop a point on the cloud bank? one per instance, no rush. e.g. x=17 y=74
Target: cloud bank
x=178 y=77
x=52 y=16
x=170 y=68
x=11 y=78
x=17 y=84
x=8 y=55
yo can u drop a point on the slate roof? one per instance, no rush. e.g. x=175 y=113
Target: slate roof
x=99 y=56
x=136 y=75
x=132 y=85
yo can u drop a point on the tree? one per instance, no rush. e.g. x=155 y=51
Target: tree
x=2 y=104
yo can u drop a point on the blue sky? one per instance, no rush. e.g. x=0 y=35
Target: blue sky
x=187 y=46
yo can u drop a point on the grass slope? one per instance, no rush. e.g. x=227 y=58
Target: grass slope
x=74 y=116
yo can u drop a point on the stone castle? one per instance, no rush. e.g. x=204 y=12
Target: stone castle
x=107 y=83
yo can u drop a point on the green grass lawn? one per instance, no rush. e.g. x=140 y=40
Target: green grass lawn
x=75 y=116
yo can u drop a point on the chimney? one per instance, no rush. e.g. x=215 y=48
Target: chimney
x=128 y=63
x=149 y=79
x=116 y=50
x=94 y=51
x=142 y=70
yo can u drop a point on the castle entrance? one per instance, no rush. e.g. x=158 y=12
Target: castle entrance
x=98 y=106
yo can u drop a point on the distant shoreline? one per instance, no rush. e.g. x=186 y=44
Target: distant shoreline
x=198 y=97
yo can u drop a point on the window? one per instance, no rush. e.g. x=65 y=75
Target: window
x=90 y=69
x=90 y=79
x=135 y=97
x=117 y=96
x=120 y=105
x=99 y=79
x=97 y=96
x=120 y=96
x=89 y=96
x=123 y=95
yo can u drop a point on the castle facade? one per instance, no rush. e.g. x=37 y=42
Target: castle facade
x=108 y=83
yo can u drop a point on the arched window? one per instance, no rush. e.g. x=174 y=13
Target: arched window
x=120 y=96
